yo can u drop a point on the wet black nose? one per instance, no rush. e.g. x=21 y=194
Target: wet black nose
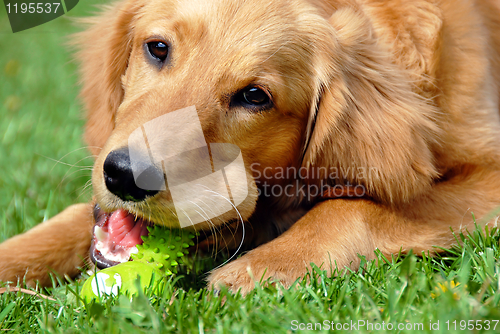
x=119 y=177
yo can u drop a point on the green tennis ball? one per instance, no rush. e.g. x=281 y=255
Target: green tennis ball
x=120 y=279
x=157 y=258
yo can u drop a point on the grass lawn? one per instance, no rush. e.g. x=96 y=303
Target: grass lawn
x=45 y=167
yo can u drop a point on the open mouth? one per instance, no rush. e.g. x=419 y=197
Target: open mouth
x=115 y=237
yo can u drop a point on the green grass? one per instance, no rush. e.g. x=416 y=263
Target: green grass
x=45 y=168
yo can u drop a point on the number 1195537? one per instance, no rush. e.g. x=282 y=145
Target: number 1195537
x=40 y=7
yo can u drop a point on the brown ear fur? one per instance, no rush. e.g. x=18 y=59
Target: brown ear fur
x=367 y=124
x=104 y=49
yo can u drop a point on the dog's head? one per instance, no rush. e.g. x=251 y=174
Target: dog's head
x=282 y=84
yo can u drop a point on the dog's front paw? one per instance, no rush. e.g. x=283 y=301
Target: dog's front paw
x=258 y=266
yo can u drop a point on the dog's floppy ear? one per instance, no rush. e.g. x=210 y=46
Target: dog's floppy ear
x=367 y=126
x=104 y=49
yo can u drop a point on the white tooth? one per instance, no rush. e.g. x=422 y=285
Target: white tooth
x=100 y=234
x=100 y=246
x=111 y=252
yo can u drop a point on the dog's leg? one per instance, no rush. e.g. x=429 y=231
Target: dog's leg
x=59 y=245
x=334 y=232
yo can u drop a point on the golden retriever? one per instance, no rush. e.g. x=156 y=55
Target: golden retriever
x=389 y=108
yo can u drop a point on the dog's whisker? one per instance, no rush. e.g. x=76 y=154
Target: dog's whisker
x=207 y=219
x=275 y=52
x=67 y=154
x=242 y=225
x=89 y=147
x=60 y=162
x=87 y=185
x=203 y=215
x=68 y=175
x=187 y=216
x=213 y=227
x=149 y=210
x=214 y=214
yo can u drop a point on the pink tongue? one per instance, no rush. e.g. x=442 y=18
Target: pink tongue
x=124 y=230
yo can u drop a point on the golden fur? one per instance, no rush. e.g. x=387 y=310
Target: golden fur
x=408 y=87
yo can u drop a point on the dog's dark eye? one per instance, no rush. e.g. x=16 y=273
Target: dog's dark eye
x=253 y=97
x=158 y=50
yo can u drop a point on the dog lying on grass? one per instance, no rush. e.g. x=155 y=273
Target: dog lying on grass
x=362 y=125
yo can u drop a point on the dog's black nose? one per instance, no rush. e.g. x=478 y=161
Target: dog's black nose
x=119 y=177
